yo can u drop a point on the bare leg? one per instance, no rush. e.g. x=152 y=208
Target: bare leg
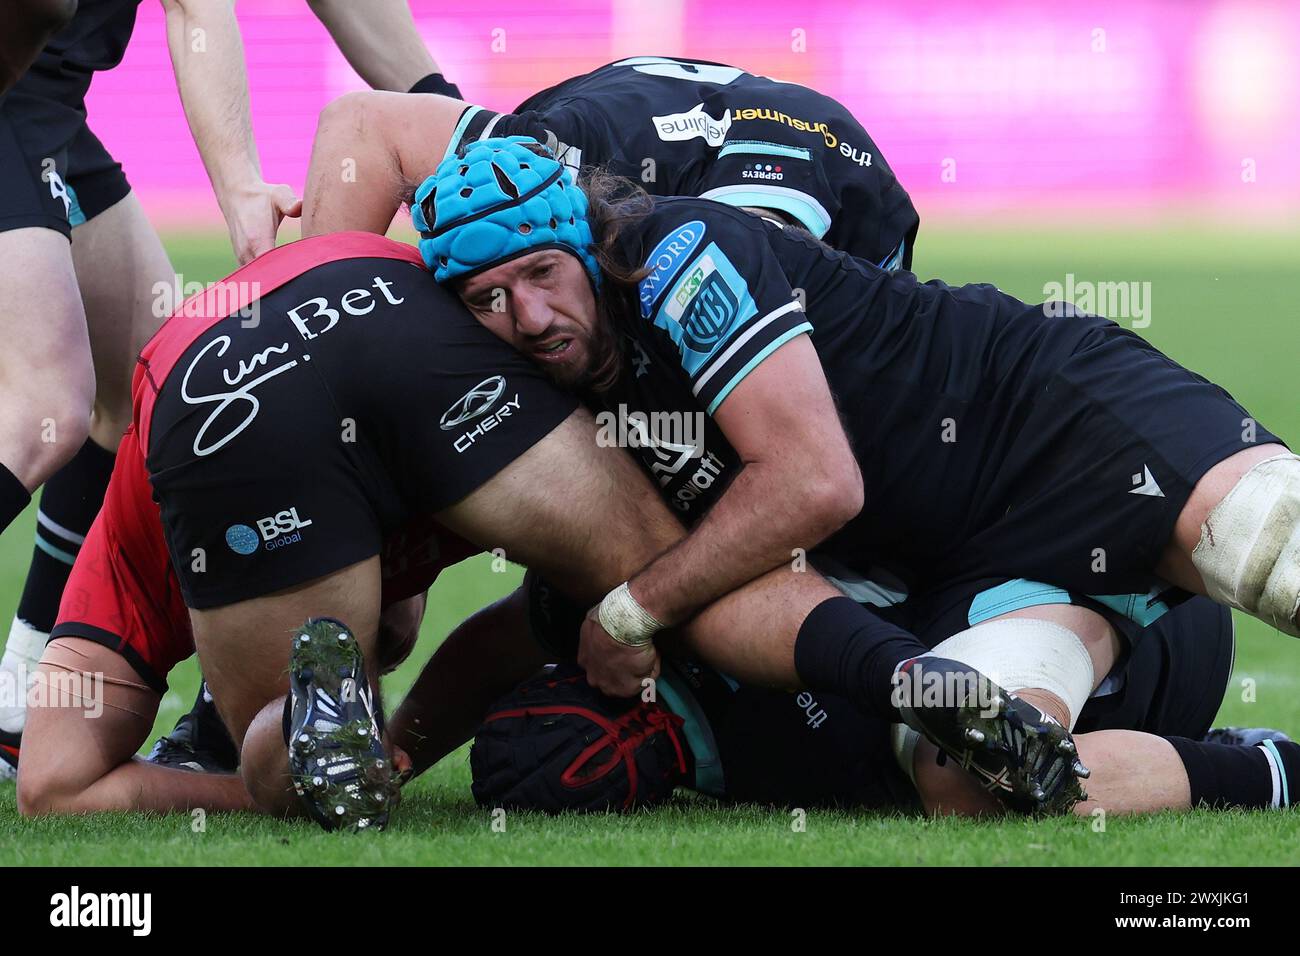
x=1132 y=773
x=90 y=715
x=948 y=789
x=120 y=264
x=244 y=649
x=47 y=382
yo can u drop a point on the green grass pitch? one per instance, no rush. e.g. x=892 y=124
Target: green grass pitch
x=1223 y=303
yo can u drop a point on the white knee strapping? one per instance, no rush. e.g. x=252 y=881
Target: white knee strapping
x=1249 y=552
x=1015 y=653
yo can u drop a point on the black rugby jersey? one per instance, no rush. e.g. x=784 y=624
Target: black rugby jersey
x=682 y=128
x=933 y=383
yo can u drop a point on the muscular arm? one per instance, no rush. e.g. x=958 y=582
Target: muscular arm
x=799 y=484
x=586 y=517
x=483 y=658
x=371 y=151
x=378 y=38
x=208 y=58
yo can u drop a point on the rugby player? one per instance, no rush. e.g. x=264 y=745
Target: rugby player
x=986 y=444
x=677 y=127
x=98 y=296
x=554 y=744
x=325 y=405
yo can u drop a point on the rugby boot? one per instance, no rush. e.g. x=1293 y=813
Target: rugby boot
x=199 y=742
x=340 y=769
x=1015 y=751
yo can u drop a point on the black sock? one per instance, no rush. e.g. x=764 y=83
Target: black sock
x=14 y=497
x=844 y=649
x=1223 y=775
x=69 y=503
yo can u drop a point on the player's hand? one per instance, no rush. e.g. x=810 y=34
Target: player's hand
x=254 y=216
x=613 y=668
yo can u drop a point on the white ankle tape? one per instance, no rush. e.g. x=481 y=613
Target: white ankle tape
x=1019 y=653
x=23 y=651
x=1249 y=552
x=25 y=643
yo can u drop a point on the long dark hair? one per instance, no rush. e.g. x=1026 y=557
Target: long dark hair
x=613 y=204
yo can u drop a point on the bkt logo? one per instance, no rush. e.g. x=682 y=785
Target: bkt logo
x=477 y=401
x=710 y=314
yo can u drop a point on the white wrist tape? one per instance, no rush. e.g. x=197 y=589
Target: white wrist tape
x=625 y=620
x=1018 y=653
x=1249 y=552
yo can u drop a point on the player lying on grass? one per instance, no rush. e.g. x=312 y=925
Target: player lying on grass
x=678 y=127
x=288 y=419
x=964 y=441
x=558 y=744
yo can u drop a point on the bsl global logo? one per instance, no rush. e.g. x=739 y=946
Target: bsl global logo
x=276 y=531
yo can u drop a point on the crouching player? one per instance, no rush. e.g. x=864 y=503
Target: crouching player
x=123 y=626
x=293 y=416
x=554 y=743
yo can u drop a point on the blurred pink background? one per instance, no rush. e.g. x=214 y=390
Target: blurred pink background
x=1007 y=108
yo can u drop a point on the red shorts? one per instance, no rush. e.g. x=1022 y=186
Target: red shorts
x=122 y=592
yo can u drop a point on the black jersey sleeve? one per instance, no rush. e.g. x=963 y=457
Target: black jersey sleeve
x=716 y=289
x=562 y=130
